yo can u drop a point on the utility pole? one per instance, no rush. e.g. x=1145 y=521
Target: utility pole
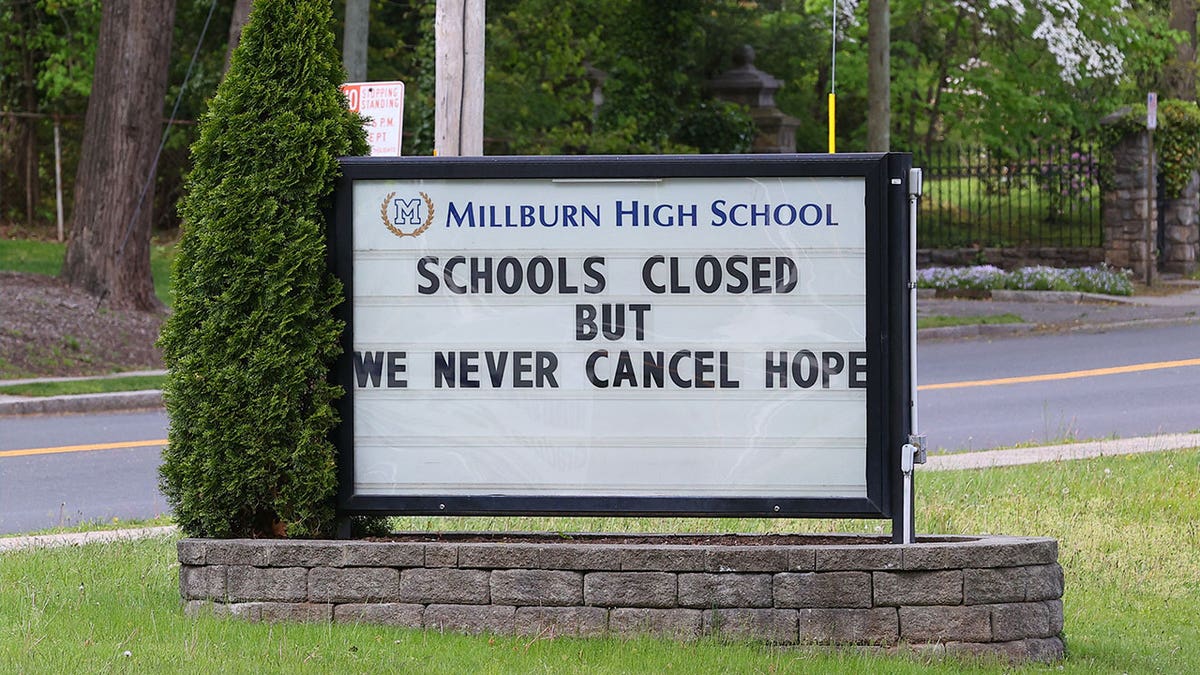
x=879 y=76
x=354 y=39
x=458 y=117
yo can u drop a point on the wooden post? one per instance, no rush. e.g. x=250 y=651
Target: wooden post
x=458 y=93
x=354 y=39
x=58 y=199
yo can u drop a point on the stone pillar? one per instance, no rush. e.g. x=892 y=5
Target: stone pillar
x=1181 y=229
x=755 y=89
x=1128 y=203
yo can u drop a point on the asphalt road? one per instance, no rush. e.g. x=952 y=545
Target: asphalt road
x=991 y=414
x=52 y=489
x=965 y=403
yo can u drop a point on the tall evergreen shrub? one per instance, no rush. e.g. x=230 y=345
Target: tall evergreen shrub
x=252 y=335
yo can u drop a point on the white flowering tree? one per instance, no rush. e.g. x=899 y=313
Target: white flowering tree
x=1013 y=68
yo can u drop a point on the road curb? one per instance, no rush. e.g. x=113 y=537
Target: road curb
x=983 y=459
x=39 y=541
x=83 y=403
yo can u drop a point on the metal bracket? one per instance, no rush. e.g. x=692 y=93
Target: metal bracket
x=914 y=183
x=918 y=442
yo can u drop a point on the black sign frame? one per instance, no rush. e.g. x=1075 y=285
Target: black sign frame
x=888 y=326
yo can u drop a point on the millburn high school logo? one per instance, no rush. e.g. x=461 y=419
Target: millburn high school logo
x=396 y=212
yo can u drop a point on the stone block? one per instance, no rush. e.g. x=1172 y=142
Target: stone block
x=967 y=623
x=441 y=555
x=822 y=589
x=353 y=584
x=768 y=625
x=745 y=559
x=280 y=584
x=559 y=621
x=676 y=624
x=1020 y=620
x=445 y=586
x=306 y=554
x=398 y=614
x=471 y=619
x=191 y=551
x=1044 y=582
x=663 y=558
x=1011 y=553
x=385 y=554
x=581 y=557
x=205 y=582
x=802 y=559
x=866 y=557
x=237 y=552
x=940 y=587
x=195 y=608
x=306 y=612
x=724 y=590
x=1054 y=610
x=630 y=589
x=1036 y=650
x=499 y=556
x=536 y=587
x=877 y=626
x=991 y=585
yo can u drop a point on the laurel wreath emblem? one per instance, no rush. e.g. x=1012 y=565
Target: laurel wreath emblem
x=383 y=215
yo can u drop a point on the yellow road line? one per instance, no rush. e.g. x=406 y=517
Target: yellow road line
x=82 y=448
x=1069 y=375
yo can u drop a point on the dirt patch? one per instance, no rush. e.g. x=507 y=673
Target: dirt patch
x=50 y=330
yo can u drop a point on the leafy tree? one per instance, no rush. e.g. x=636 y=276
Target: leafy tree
x=252 y=337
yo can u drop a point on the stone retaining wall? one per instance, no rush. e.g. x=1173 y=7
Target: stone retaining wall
x=978 y=595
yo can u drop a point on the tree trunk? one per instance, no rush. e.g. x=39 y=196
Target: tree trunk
x=1180 y=74
x=108 y=254
x=241 y=14
x=879 y=76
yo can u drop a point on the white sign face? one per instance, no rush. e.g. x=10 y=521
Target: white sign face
x=382 y=103
x=1152 y=111
x=682 y=337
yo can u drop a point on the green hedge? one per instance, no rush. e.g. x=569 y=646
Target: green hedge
x=252 y=336
x=1176 y=141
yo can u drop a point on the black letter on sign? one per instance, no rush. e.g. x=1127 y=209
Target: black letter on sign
x=423 y=269
x=585 y=322
x=368 y=364
x=394 y=368
x=831 y=364
x=858 y=370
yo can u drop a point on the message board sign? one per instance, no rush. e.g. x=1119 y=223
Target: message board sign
x=665 y=335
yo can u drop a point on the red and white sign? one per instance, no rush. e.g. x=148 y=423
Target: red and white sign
x=383 y=104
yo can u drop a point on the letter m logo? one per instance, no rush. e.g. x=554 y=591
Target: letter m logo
x=408 y=211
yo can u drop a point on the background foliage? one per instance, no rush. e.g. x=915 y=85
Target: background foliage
x=626 y=76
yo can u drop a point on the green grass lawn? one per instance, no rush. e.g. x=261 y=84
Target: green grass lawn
x=1128 y=527
x=105 y=385
x=46 y=257
x=942 y=321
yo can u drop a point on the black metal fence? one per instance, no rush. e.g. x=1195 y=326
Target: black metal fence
x=1017 y=196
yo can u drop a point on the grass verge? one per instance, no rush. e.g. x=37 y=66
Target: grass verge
x=103 y=385
x=46 y=257
x=97 y=526
x=1128 y=528
x=943 y=321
